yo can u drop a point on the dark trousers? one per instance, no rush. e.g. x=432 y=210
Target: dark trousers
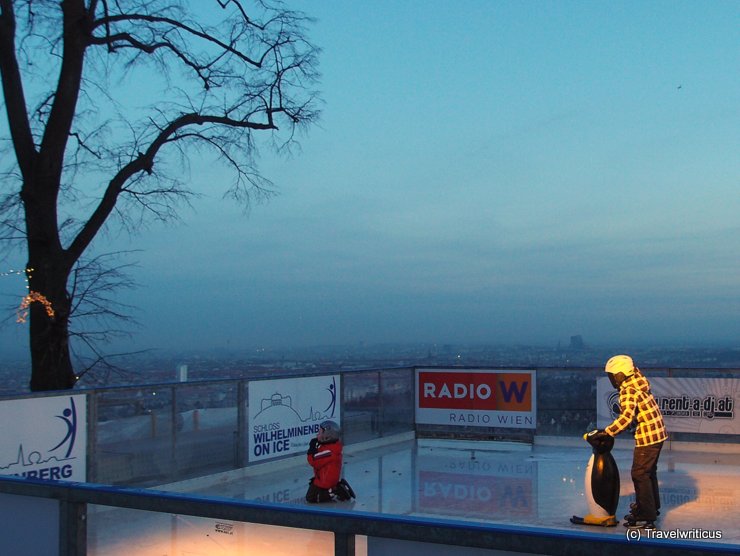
x=318 y=495
x=645 y=479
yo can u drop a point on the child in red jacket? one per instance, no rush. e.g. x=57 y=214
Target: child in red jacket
x=325 y=456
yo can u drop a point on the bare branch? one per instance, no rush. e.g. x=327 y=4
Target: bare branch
x=88 y=154
x=13 y=91
x=95 y=286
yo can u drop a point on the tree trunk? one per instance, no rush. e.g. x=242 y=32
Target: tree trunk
x=48 y=270
x=51 y=364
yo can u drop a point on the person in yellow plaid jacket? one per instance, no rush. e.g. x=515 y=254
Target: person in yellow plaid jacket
x=638 y=406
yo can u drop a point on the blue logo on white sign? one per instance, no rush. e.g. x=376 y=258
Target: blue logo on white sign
x=36 y=446
x=283 y=414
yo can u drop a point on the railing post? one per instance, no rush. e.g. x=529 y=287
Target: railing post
x=91 y=463
x=381 y=405
x=72 y=528
x=344 y=544
x=173 y=433
x=241 y=420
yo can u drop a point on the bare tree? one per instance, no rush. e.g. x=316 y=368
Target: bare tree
x=107 y=101
x=97 y=315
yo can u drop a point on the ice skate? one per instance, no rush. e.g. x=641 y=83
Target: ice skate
x=345 y=486
x=343 y=492
x=635 y=512
x=636 y=522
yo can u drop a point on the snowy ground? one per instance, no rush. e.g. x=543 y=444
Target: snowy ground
x=501 y=483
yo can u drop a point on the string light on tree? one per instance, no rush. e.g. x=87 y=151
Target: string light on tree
x=26 y=271
x=30 y=298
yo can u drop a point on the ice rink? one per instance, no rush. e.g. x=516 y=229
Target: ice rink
x=539 y=485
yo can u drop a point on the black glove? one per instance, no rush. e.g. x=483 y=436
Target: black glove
x=313 y=446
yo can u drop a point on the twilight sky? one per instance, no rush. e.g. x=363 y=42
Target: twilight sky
x=484 y=171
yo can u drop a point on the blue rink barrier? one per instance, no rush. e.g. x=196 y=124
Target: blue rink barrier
x=49 y=517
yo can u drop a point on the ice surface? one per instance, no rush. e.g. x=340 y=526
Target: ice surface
x=502 y=483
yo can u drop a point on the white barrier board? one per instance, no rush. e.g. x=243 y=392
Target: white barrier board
x=45 y=438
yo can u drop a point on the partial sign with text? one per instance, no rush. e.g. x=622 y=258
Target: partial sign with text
x=477 y=398
x=696 y=404
x=285 y=414
x=45 y=438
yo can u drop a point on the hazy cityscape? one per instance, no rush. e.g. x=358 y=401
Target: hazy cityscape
x=253 y=248
x=166 y=366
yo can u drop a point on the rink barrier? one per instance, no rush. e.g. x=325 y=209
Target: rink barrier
x=31 y=534
x=155 y=434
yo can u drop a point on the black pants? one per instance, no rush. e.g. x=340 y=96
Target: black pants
x=645 y=479
x=318 y=495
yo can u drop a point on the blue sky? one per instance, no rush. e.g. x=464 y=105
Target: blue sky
x=503 y=172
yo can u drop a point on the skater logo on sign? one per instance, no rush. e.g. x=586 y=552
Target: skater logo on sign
x=613 y=403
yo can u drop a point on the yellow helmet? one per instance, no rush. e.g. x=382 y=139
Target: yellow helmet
x=619 y=368
x=620 y=364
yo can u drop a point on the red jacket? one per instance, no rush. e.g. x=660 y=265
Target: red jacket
x=327 y=464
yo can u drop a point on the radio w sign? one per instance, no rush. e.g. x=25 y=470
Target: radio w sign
x=476 y=398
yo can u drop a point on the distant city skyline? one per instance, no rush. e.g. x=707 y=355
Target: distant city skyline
x=194 y=365
x=484 y=172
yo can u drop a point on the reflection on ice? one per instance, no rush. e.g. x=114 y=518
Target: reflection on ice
x=479 y=481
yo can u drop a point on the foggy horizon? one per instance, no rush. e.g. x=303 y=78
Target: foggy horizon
x=483 y=173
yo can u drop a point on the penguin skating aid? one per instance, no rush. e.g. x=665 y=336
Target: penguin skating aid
x=601 y=482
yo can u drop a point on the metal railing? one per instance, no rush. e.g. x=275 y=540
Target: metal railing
x=148 y=435
x=74 y=498
x=167 y=432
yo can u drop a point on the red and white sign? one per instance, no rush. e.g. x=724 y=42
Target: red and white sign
x=476 y=397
